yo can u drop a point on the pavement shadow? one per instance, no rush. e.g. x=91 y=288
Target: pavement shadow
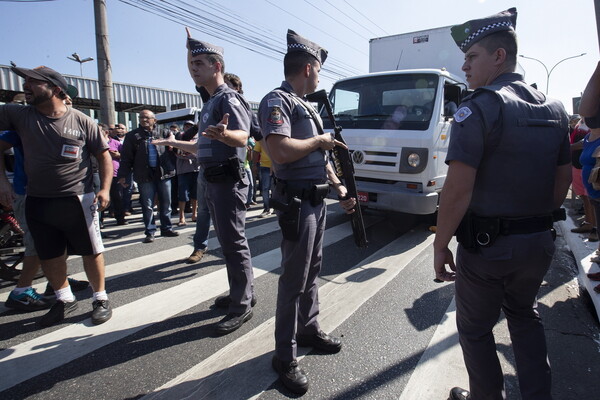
x=188 y=328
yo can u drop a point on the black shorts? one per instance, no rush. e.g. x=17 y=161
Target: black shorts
x=64 y=224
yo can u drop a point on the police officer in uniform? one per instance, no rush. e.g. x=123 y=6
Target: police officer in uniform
x=302 y=170
x=508 y=171
x=221 y=150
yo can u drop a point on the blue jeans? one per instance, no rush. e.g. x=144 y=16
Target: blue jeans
x=147 y=192
x=265 y=185
x=250 y=186
x=127 y=193
x=203 y=217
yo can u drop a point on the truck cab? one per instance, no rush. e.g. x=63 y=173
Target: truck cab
x=396 y=125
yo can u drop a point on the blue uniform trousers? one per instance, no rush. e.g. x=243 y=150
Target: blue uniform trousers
x=297 y=294
x=227 y=204
x=507 y=276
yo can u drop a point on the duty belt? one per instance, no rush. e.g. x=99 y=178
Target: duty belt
x=313 y=190
x=478 y=231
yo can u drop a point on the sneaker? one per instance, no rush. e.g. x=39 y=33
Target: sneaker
x=195 y=256
x=57 y=313
x=265 y=214
x=76 y=286
x=29 y=300
x=593 y=236
x=102 y=312
x=149 y=238
x=291 y=375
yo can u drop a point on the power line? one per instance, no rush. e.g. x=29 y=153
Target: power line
x=316 y=27
x=333 y=19
x=223 y=28
x=367 y=18
x=358 y=22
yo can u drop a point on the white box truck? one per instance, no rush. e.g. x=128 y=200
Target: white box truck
x=396 y=120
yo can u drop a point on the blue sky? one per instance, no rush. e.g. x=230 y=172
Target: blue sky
x=149 y=50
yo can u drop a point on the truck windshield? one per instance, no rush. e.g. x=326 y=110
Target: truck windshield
x=403 y=102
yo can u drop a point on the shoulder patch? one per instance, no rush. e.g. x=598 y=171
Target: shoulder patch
x=274 y=103
x=462 y=114
x=275 y=116
x=234 y=101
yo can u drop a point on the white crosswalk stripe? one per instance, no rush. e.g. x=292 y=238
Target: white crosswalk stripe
x=241 y=368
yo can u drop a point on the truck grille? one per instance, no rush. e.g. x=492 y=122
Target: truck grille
x=360 y=157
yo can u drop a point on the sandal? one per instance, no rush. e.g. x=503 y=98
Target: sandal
x=182 y=223
x=595 y=276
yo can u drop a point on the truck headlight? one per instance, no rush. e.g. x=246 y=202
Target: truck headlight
x=414 y=160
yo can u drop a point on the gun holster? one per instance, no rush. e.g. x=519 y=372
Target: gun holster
x=231 y=170
x=289 y=218
x=318 y=194
x=474 y=232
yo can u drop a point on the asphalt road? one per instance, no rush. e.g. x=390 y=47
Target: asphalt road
x=397 y=325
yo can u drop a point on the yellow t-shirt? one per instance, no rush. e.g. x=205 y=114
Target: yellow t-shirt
x=265 y=161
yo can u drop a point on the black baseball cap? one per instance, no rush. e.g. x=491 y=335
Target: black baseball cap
x=43 y=73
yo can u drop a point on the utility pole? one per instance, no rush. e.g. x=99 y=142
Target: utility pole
x=107 y=101
x=597 y=7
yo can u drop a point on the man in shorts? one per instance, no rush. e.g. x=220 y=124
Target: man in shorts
x=61 y=207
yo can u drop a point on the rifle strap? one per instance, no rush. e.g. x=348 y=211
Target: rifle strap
x=309 y=108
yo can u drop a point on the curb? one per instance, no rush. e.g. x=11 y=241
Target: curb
x=583 y=251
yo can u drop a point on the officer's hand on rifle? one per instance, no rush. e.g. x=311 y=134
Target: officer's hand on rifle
x=347 y=204
x=327 y=142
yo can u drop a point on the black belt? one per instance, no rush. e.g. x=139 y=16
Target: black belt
x=516 y=226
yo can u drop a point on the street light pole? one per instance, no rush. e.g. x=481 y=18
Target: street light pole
x=548 y=73
x=75 y=57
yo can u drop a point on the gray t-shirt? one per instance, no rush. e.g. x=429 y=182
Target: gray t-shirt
x=57 y=150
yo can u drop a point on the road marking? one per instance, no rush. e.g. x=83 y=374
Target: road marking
x=29 y=359
x=220 y=376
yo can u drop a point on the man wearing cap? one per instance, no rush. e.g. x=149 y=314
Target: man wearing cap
x=298 y=152
x=61 y=207
x=509 y=169
x=221 y=150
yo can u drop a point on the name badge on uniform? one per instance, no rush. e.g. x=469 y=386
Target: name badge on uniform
x=70 y=151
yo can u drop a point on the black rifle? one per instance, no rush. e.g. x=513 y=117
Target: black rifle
x=343 y=168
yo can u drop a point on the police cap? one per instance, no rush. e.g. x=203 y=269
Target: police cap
x=472 y=31
x=198 y=47
x=296 y=43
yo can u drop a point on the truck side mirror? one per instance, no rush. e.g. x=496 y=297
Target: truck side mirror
x=453 y=94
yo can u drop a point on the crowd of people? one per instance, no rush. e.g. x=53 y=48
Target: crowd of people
x=508 y=142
